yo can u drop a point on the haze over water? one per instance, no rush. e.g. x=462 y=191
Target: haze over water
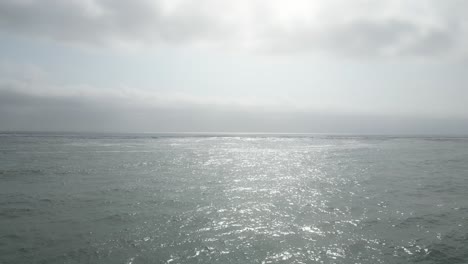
x=106 y=198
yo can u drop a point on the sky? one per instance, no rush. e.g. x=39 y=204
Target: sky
x=296 y=66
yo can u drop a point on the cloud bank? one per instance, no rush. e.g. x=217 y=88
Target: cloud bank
x=29 y=102
x=428 y=28
x=21 y=111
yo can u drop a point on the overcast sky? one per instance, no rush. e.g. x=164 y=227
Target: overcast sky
x=317 y=66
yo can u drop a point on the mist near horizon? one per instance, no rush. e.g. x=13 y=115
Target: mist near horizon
x=27 y=112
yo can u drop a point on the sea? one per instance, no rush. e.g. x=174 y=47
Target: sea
x=232 y=198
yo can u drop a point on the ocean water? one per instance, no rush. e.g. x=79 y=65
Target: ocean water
x=97 y=198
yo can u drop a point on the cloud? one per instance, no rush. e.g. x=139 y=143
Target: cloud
x=24 y=84
x=105 y=22
x=375 y=38
x=35 y=103
x=358 y=28
x=21 y=111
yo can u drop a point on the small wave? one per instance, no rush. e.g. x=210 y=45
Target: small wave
x=453 y=248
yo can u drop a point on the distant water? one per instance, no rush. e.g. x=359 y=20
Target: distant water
x=83 y=198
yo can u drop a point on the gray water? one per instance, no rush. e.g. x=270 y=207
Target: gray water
x=83 y=198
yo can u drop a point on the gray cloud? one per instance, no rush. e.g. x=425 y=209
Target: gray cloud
x=357 y=28
x=27 y=111
x=105 y=21
x=388 y=38
x=30 y=99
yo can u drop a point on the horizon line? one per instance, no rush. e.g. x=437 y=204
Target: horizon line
x=212 y=133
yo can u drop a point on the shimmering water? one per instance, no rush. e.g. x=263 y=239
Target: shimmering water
x=232 y=199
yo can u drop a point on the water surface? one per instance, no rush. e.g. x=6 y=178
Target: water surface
x=102 y=198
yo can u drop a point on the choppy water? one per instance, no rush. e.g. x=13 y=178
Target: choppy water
x=238 y=199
